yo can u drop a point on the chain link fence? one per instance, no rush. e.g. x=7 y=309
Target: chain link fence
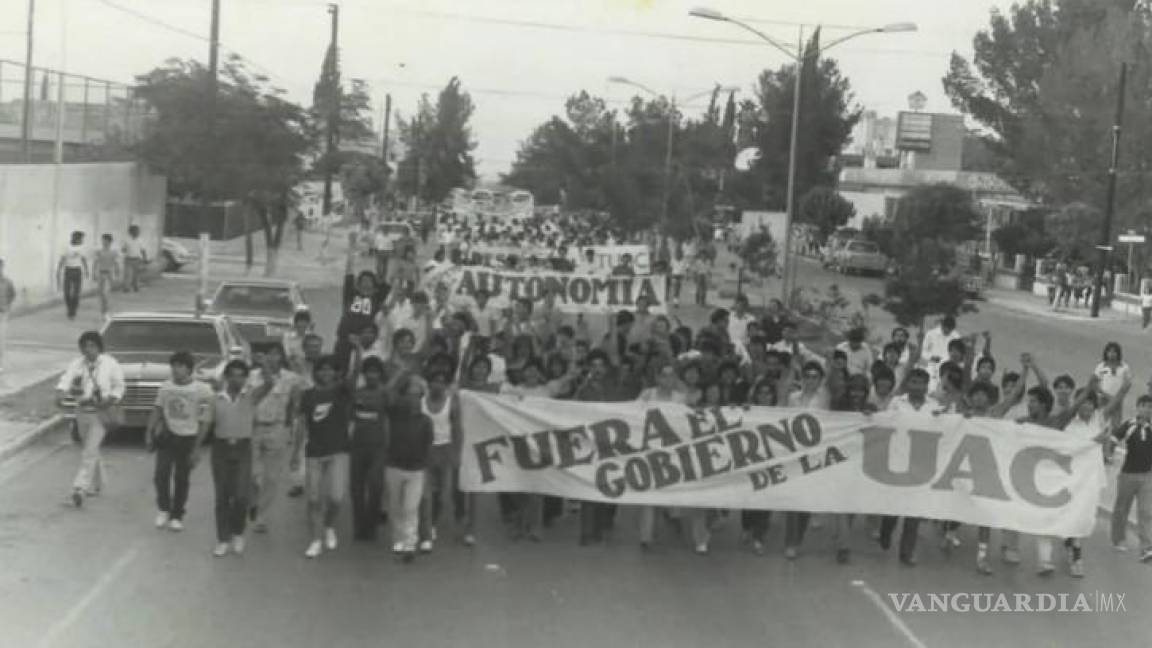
x=102 y=119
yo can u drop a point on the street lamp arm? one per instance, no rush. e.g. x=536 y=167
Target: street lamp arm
x=895 y=27
x=765 y=37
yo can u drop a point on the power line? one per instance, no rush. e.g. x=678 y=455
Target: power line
x=638 y=33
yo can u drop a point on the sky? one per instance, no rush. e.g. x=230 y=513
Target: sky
x=518 y=58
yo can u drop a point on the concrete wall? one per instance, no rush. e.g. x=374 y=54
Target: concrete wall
x=40 y=205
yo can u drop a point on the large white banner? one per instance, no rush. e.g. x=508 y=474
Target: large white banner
x=978 y=471
x=610 y=256
x=574 y=293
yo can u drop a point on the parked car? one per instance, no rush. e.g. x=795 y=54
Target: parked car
x=861 y=257
x=143 y=342
x=396 y=230
x=174 y=255
x=262 y=309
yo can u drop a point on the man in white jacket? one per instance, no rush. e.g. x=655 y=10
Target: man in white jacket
x=936 y=342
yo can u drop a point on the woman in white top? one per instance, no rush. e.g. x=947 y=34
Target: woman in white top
x=1113 y=372
x=70 y=271
x=668 y=389
x=96 y=383
x=440 y=404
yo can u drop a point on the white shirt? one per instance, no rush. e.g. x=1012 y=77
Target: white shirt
x=382 y=242
x=936 y=347
x=653 y=395
x=903 y=404
x=74 y=256
x=1087 y=430
x=859 y=361
x=819 y=400
x=738 y=327
x=133 y=249
x=103 y=375
x=1111 y=381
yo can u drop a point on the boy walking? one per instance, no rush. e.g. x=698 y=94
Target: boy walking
x=176 y=429
x=1134 y=483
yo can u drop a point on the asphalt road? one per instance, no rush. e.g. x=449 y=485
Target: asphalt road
x=103 y=577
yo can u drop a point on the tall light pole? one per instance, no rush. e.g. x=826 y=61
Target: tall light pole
x=798 y=57
x=672 y=121
x=26 y=117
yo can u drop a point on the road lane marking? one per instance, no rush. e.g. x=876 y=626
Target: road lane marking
x=893 y=618
x=81 y=606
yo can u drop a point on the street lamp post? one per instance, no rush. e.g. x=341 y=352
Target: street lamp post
x=798 y=57
x=672 y=120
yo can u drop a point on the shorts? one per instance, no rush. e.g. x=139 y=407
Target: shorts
x=326 y=478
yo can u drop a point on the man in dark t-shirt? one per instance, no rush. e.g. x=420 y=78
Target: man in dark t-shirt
x=1134 y=483
x=363 y=297
x=409 y=448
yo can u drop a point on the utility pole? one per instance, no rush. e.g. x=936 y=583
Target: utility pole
x=333 y=109
x=209 y=144
x=668 y=167
x=26 y=119
x=387 y=125
x=1110 y=199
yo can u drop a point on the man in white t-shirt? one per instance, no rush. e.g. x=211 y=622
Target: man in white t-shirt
x=860 y=356
x=738 y=320
x=936 y=341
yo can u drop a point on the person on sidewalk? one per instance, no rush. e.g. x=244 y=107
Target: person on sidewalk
x=96 y=382
x=176 y=428
x=106 y=270
x=71 y=271
x=135 y=258
x=272 y=436
x=234 y=416
x=1134 y=483
x=7 y=300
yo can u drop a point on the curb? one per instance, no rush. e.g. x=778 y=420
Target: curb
x=32 y=436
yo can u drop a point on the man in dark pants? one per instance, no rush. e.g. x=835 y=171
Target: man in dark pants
x=601 y=386
x=176 y=428
x=369 y=443
x=234 y=417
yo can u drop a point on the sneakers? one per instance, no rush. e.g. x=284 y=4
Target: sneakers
x=162 y=519
x=398 y=548
x=702 y=549
x=790 y=553
x=1045 y=569
x=983 y=566
x=330 y=538
x=1146 y=555
x=1076 y=568
x=175 y=525
x=758 y=547
x=469 y=540
x=1120 y=548
x=77 y=498
x=260 y=527
x=1010 y=556
x=237 y=545
x=425 y=546
x=221 y=550
x=313 y=549
x=908 y=560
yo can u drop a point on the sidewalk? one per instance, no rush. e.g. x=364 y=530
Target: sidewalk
x=1027 y=303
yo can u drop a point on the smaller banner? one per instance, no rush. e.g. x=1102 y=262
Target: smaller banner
x=491 y=253
x=987 y=472
x=610 y=256
x=574 y=293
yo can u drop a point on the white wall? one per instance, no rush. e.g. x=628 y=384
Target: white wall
x=41 y=204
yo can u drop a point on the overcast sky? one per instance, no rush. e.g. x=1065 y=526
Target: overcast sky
x=518 y=58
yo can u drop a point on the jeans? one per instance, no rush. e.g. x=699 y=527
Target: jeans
x=1146 y=313
x=908 y=533
x=1133 y=487
x=132 y=268
x=173 y=464
x=104 y=285
x=232 y=477
x=72 y=277
x=269 y=464
x=90 y=475
x=405 y=490
x=436 y=484
x=755 y=524
x=595 y=520
x=326 y=478
x=366 y=471
x=795 y=526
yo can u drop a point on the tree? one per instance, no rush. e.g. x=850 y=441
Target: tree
x=252 y=153
x=1074 y=230
x=1043 y=83
x=352 y=111
x=878 y=230
x=825 y=208
x=930 y=221
x=758 y=256
x=1025 y=236
x=826 y=122
x=363 y=177
x=439 y=145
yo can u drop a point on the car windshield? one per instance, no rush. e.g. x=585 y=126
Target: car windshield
x=863 y=246
x=264 y=300
x=198 y=337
